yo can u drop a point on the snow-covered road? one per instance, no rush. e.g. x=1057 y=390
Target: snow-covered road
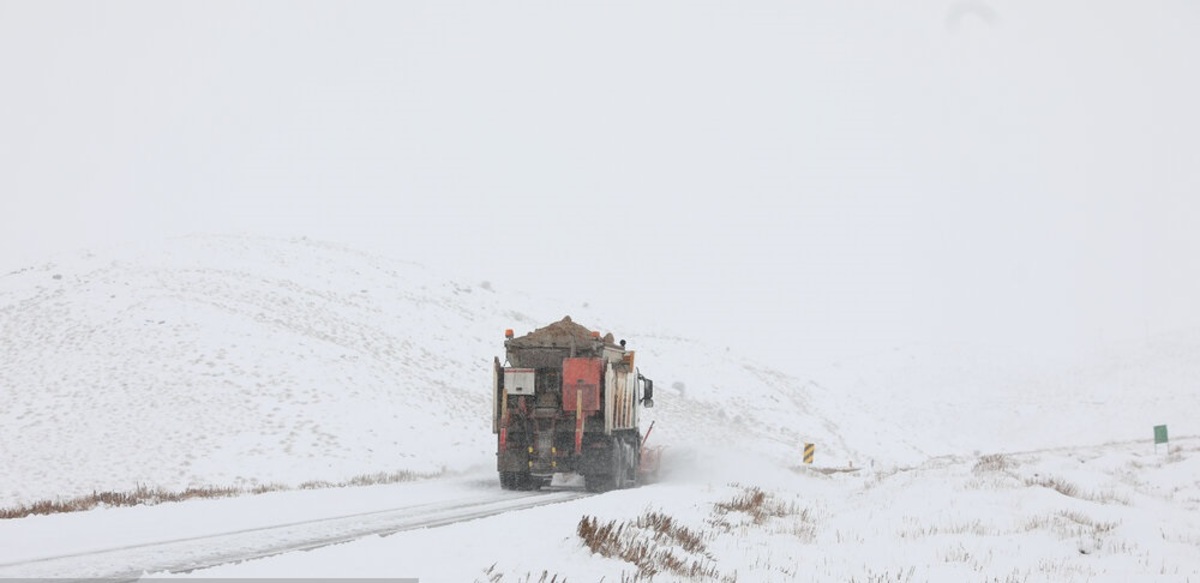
x=182 y=537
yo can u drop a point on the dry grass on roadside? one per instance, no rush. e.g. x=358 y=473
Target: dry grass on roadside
x=367 y=480
x=753 y=502
x=145 y=495
x=759 y=507
x=659 y=545
x=1070 y=524
x=1069 y=489
x=142 y=495
x=655 y=544
x=493 y=576
x=1057 y=484
x=993 y=463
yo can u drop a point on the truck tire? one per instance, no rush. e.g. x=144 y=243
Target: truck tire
x=598 y=482
x=518 y=481
x=617 y=475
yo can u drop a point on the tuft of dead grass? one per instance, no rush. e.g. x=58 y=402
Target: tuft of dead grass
x=667 y=529
x=752 y=507
x=144 y=495
x=1071 y=524
x=651 y=544
x=1069 y=489
x=759 y=506
x=901 y=576
x=993 y=463
x=975 y=527
x=494 y=576
x=1057 y=484
x=659 y=546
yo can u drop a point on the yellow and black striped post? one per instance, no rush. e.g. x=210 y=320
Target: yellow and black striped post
x=809 y=449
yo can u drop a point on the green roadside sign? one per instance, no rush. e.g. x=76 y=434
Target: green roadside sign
x=1160 y=434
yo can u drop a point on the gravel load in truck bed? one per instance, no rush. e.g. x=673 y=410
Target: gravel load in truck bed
x=561 y=333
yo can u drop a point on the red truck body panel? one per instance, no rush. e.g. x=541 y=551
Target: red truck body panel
x=582 y=375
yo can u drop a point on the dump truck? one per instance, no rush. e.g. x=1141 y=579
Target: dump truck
x=566 y=401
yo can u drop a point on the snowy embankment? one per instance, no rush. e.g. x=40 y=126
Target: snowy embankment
x=1117 y=512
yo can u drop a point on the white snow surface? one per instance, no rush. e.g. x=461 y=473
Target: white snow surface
x=242 y=361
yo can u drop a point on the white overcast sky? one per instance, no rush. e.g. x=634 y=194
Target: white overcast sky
x=834 y=175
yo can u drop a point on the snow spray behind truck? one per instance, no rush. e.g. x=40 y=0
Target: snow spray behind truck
x=566 y=400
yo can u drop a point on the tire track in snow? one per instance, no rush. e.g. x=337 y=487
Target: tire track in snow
x=128 y=563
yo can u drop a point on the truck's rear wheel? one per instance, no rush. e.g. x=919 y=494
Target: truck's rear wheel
x=518 y=481
x=598 y=482
x=620 y=472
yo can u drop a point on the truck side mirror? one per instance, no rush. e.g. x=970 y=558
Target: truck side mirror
x=648 y=394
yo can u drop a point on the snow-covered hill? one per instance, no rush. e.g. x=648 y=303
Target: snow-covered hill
x=235 y=361
x=240 y=361
x=229 y=360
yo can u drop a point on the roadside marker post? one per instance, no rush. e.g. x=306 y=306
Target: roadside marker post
x=809 y=450
x=1160 y=436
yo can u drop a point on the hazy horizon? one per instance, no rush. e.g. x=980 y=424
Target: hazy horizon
x=794 y=176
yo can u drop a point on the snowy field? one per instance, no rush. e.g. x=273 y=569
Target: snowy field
x=236 y=361
x=1108 y=513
